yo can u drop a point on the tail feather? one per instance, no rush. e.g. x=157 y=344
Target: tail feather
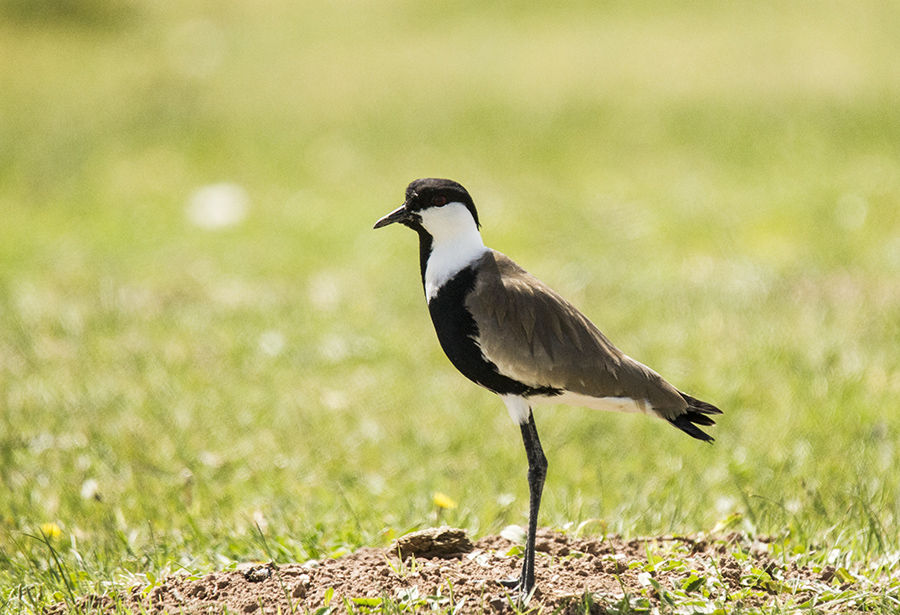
x=697 y=413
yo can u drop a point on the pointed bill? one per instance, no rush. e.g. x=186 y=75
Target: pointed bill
x=401 y=214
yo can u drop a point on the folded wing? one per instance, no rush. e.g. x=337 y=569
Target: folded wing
x=535 y=336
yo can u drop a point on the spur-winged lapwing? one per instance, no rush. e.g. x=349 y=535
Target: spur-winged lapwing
x=507 y=331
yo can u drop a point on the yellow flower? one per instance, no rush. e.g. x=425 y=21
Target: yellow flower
x=50 y=530
x=443 y=501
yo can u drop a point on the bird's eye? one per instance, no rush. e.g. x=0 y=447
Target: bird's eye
x=439 y=200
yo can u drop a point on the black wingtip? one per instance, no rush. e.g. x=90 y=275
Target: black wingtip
x=700 y=406
x=686 y=423
x=696 y=414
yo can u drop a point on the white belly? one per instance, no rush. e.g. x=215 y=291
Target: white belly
x=610 y=404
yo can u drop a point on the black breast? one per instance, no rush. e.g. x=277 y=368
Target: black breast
x=457 y=332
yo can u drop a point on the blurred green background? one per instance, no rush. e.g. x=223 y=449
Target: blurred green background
x=206 y=352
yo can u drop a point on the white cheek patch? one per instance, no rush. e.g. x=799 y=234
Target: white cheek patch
x=456 y=244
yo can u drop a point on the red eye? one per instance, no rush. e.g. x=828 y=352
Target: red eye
x=439 y=200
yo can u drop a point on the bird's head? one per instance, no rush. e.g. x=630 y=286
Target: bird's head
x=435 y=206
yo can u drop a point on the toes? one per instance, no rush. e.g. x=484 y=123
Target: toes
x=510 y=583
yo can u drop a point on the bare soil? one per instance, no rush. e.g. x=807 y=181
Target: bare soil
x=574 y=574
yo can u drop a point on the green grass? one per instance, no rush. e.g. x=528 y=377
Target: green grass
x=716 y=185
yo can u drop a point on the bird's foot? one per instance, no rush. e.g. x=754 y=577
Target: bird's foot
x=510 y=583
x=522 y=592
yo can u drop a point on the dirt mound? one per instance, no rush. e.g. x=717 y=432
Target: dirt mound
x=573 y=574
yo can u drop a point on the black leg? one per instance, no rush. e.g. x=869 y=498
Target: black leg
x=537 y=472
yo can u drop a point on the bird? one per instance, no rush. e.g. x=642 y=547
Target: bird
x=510 y=333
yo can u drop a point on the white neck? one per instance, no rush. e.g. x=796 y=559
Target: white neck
x=456 y=244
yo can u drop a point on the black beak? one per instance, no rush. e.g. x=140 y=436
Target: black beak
x=401 y=214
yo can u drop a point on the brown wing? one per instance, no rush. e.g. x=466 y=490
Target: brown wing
x=536 y=337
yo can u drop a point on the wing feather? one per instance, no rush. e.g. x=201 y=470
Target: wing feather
x=535 y=336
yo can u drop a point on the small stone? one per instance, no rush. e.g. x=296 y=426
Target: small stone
x=258 y=574
x=442 y=542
